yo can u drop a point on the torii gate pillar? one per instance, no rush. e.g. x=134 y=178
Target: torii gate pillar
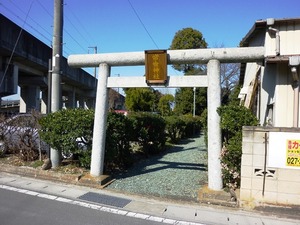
x=213 y=125
x=99 y=135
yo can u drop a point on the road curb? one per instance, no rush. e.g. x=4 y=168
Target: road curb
x=82 y=179
x=206 y=196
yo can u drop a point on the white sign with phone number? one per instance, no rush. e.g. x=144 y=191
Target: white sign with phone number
x=284 y=150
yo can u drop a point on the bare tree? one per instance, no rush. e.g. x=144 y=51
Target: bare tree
x=113 y=97
x=19 y=135
x=230 y=73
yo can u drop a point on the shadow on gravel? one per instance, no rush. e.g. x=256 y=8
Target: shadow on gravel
x=176 y=149
x=186 y=141
x=163 y=162
x=160 y=165
x=177 y=173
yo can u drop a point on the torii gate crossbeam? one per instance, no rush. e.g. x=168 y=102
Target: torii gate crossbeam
x=198 y=56
x=213 y=57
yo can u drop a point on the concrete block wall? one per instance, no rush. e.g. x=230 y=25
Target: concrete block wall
x=262 y=185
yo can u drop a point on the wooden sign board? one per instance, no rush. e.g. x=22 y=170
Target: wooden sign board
x=156 y=66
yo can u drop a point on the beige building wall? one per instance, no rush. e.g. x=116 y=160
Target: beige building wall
x=276 y=93
x=267 y=95
x=262 y=185
x=289 y=33
x=290 y=38
x=284 y=95
x=263 y=180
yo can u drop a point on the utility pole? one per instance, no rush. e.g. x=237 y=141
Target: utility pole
x=194 y=103
x=49 y=86
x=56 y=95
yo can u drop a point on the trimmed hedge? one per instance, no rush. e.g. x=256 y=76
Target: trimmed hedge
x=149 y=132
x=71 y=131
x=174 y=128
x=119 y=133
x=182 y=127
x=68 y=129
x=192 y=125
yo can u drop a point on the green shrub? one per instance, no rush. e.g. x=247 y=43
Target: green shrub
x=118 y=135
x=231 y=162
x=185 y=126
x=233 y=118
x=68 y=129
x=192 y=125
x=149 y=130
x=84 y=158
x=71 y=131
x=174 y=128
x=203 y=121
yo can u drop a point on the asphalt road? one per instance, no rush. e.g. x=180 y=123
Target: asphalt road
x=22 y=209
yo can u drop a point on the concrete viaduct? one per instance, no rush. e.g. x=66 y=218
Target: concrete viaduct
x=29 y=68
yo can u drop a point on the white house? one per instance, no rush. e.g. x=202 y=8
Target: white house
x=270 y=169
x=272 y=89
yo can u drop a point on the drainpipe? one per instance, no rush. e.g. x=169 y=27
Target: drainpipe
x=296 y=97
x=271 y=22
x=294 y=62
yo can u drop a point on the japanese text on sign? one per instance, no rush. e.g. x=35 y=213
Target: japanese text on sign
x=293 y=153
x=155 y=63
x=156 y=66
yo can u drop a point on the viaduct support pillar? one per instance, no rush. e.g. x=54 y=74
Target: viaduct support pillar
x=29 y=99
x=213 y=125
x=71 y=103
x=90 y=103
x=81 y=102
x=98 y=150
x=44 y=102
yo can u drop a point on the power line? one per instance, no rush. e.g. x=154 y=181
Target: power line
x=45 y=9
x=82 y=26
x=16 y=43
x=64 y=29
x=76 y=29
x=44 y=33
x=28 y=24
x=67 y=53
x=147 y=30
x=51 y=15
x=67 y=32
x=137 y=15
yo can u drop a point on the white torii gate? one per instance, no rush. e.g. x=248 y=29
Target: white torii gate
x=213 y=57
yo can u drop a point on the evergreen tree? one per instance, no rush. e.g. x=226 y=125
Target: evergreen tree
x=141 y=99
x=189 y=38
x=165 y=104
x=184 y=101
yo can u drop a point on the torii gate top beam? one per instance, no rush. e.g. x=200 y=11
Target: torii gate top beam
x=197 y=56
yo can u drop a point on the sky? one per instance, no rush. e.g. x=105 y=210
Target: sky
x=138 y=25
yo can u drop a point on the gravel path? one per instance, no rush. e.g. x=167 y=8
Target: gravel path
x=179 y=173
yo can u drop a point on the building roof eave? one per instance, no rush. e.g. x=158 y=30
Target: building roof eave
x=262 y=24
